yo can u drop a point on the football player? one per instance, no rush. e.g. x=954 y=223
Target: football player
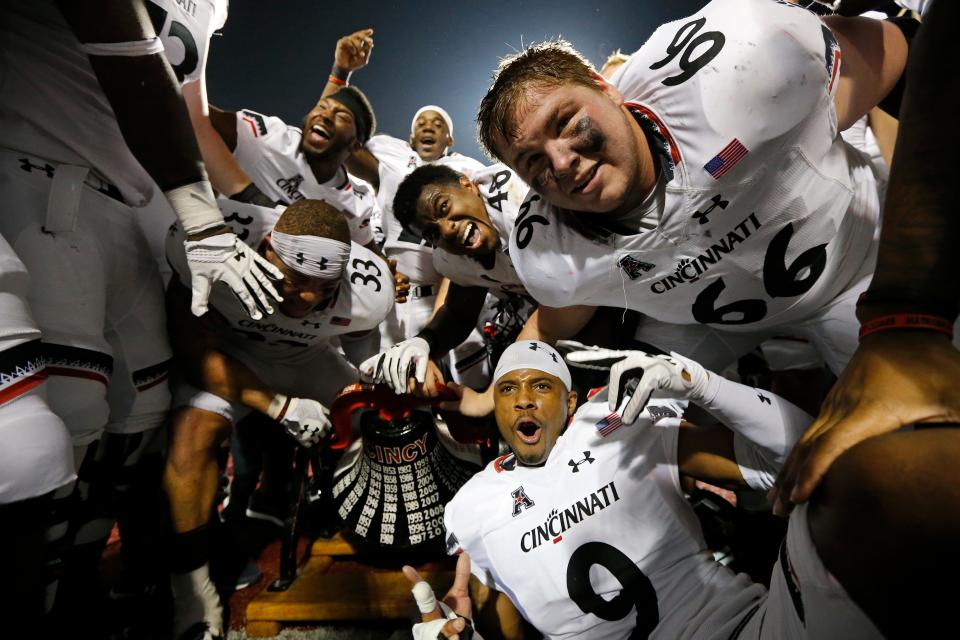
x=584 y=532
x=707 y=185
x=285 y=366
x=467 y=222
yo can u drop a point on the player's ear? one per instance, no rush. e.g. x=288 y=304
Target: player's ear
x=612 y=92
x=467 y=184
x=410 y=142
x=571 y=403
x=356 y=145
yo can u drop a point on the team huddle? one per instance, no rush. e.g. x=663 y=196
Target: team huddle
x=717 y=193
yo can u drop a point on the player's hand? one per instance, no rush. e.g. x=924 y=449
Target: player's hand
x=468 y=402
x=641 y=376
x=894 y=379
x=406 y=360
x=401 y=282
x=306 y=420
x=353 y=51
x=224 y=257
x=450 y=618
x=433 y=383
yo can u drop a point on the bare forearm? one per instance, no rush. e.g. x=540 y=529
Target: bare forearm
x=550 y=324
x=230 y=379
x=918 y=259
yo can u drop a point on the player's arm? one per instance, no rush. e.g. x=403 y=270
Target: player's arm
x=352 y=53
x=494 y=614
x=760 y=427
x=225 y=124
x=196 y=347
x=550 y=324
x=874 y=55
x=138 y=81
x=365 y=166
x=454 y=320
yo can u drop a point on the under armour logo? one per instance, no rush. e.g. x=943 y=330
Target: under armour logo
x=535 y=346
x=307 y=323
x=764 y=398
x=520 y=500
x=321 y=264
x=239 y=256
x=701 y=216
x=27 y=166
x=576 y=463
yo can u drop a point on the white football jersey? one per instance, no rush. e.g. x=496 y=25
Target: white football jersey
x=51 y=104
x=599 y=542
x=763 y=214
x=501 y=279
x=268 y=150
x=397 y=160
x=361 y=303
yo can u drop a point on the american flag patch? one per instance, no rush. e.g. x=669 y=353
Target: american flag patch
x=340 y=321
x=609 y=424
x=726 y=159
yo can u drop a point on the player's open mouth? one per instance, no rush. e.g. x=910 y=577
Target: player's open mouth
x=318 y=133
x=428 y=141
x=470 y=236
x=528 y=431
x=587 y=181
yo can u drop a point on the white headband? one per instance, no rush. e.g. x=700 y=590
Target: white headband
x=311 y=255
x=443 y=114
x=533 y=354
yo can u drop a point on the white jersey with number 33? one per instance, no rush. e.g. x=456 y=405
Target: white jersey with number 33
x=763 y=214
x=599 y=542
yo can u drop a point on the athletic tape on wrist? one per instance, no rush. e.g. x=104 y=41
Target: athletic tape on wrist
x=311 y=255
x=195 y=206
x=278 y=406
x=129 y=49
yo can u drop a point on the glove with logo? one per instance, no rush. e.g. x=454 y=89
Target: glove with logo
x=306 y=420
x=226 y=258
x=642 y=376
x=393 y=366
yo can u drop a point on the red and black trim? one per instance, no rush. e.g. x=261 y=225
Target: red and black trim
x=21 y=368
x=76 y=362
x=505 y=463
x=151 y=376
x=258 y=124
x=661 y=129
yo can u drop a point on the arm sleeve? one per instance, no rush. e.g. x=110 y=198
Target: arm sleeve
x=765 y=427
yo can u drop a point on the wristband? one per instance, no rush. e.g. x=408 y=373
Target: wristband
x=195 y=206
x=278 y=406
x=251 y=194
x=910 y=321
x=339 y=76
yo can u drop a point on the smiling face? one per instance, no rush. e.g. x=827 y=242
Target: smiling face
x=301 y=293
x=454 y=217
x=430 y=136
x=329 y=131
x=531 y=408
x=578 y=147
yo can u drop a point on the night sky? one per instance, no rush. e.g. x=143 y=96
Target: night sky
x=274 y=57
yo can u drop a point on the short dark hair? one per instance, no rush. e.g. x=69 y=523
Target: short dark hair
x=314 y=218
x=543 y=65
x=358 y=103
x=405 y=200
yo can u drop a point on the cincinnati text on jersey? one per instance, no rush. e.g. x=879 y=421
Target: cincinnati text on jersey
x=690 y=269
x=272 y=328
x=558 y=522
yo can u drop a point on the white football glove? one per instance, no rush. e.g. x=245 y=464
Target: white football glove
x=225 y=258
x=306 y=420
x=433 y=630
x=393 y=366
x=641 y=376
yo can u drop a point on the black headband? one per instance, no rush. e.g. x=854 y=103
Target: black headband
x=352 y=101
